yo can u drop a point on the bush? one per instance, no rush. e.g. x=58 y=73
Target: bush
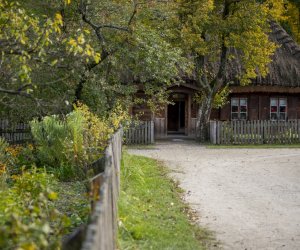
x=50 y=135
x=68 y=144
x=4 y=161
x=29 y=219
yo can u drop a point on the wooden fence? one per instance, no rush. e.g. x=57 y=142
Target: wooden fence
x=101 y=232
x=140 y=133
x=15 y=133
x=160 y=130
x=255 y=132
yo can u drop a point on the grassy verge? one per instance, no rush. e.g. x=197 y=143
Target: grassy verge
x=152 y=214
x=254 y=146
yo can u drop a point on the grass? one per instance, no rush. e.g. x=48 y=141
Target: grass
x=73 y=202
x=151 y=212
x=141 y=147
x=255 y=146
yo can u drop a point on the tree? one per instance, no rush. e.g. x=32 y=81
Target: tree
x=292 y=20
x=93 y=51
x=134 y=41
x=227 y=41
x=36 y=57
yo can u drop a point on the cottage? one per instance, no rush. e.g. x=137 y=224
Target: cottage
x=275 y=97
x=178 y=118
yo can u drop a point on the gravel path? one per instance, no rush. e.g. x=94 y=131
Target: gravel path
x=250 y=198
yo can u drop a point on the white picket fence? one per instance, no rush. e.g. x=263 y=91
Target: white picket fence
x=141 y=132
x=255 y=132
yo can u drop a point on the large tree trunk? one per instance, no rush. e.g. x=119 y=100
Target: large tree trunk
x=211 y=88
x=202 y=132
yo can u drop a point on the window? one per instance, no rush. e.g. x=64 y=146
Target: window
x=239 y=108
x=278 y=108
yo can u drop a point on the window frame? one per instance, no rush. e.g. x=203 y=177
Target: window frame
x=278 y=106
x=239 y=112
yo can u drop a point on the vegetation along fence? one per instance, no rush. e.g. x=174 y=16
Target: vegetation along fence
x=101 y=232
x=15 y=133
x=255 y=132
x=140 y=133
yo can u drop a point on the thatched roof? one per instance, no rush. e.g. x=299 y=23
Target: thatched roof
x=285 y=67
x=284 y=70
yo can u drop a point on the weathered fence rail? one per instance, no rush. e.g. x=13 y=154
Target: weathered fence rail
x=140 y=133
x=255 y=132
x=15 y=133
x=101 y=232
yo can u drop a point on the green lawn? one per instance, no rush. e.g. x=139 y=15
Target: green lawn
x=152 y=214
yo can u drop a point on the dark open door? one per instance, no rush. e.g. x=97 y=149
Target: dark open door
x=176 y=117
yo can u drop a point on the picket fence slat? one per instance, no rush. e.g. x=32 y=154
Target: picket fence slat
x=15 y=133
x=140 y=133
x=255 y=132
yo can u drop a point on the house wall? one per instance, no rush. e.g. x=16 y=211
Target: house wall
x=259 y=106
x=161 y=116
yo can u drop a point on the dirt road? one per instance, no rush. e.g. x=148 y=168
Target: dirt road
x=250 y=198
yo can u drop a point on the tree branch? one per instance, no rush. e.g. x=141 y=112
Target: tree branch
x=17 y=92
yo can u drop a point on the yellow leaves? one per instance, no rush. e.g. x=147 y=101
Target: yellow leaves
x=87 y=31
x=2 y=168
x=22 y=41
x=97 y=57
x=67 y=1
x=52 y=196
x=80 y=46
x=254 y=51
x=28 y=246
x=80 y=39
x=221 y=98
x=59 y=19
x=30 y=34
x=54 y=62
x=14 y=151
x=275 y=9
x=72 y=42
x=96 y=132
x=57 y=23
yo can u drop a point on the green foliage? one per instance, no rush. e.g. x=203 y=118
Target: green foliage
x=152 y=215
x=131 y=43
x=50 y=135
x=73 y=201
x=292 y=20
x=66 y=145
x=221 y=98
x=29 y=219
x=25 y=158
x=245 y=27
x=29 y=36
x=59 y=144
x=4 y=156
x=4 y=161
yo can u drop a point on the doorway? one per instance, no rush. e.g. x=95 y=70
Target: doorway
x=176 y=118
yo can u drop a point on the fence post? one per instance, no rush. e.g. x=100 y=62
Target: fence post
x=213 y=132
x=152 y=131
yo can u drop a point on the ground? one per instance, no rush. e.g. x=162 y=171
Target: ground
x=250 y=198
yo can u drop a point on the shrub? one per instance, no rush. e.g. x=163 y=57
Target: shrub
x=50 y=135
x=68 y=144
x=4 y=160
x=29 y=219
